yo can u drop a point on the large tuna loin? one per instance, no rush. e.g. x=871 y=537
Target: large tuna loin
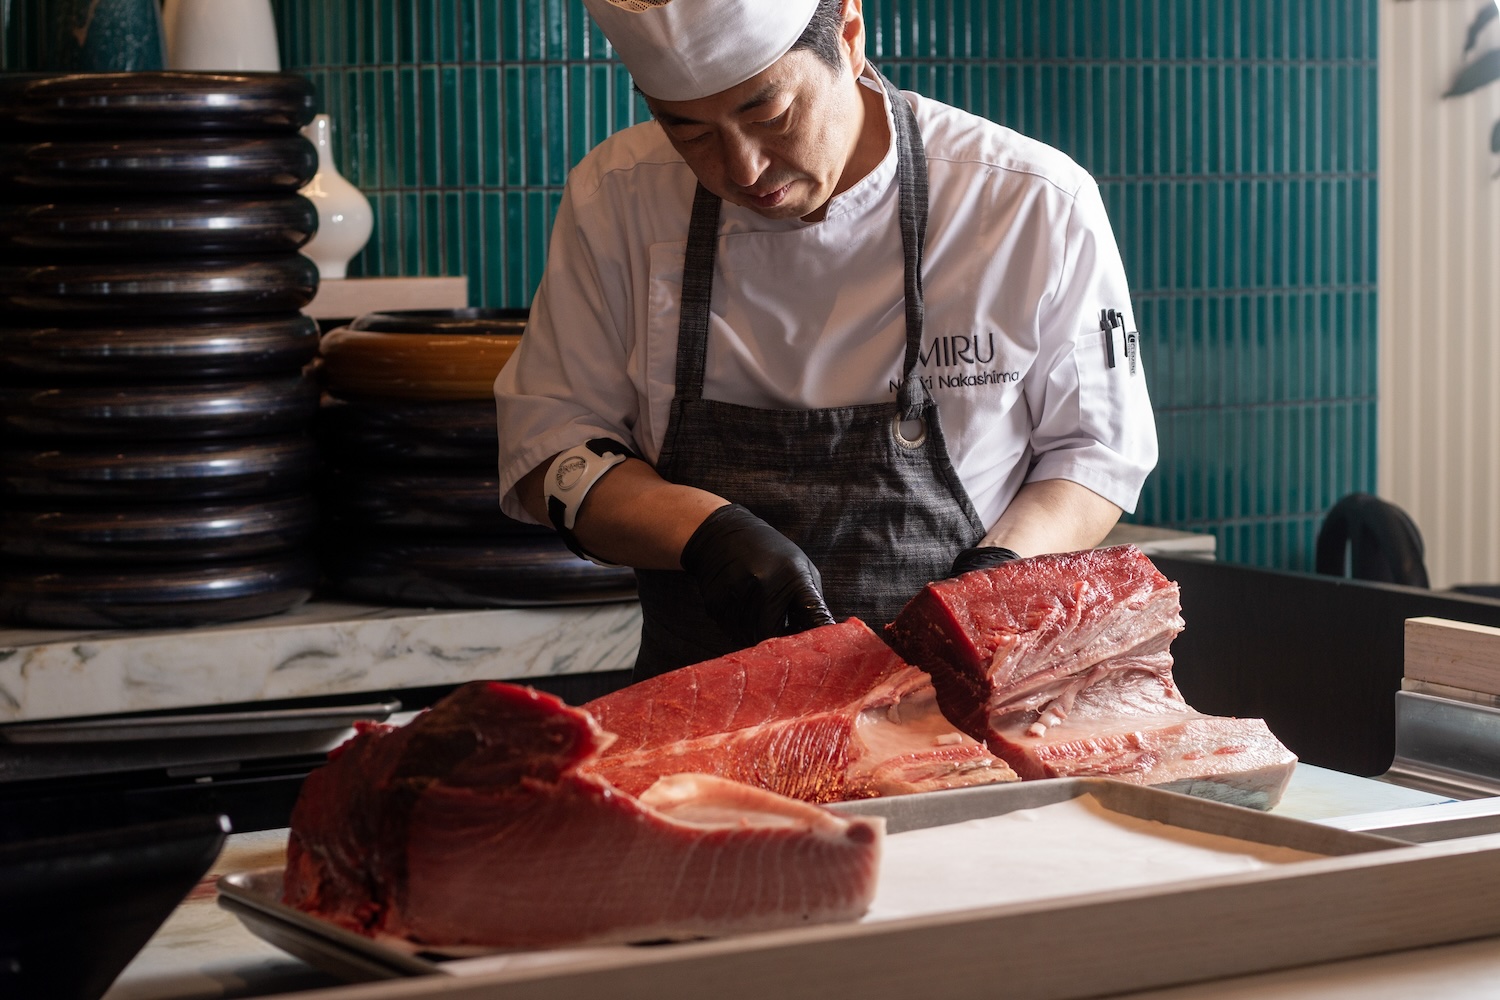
x=824 y=716
x=479 y=823
x=1061 y=665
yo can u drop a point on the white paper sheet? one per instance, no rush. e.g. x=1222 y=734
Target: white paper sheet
x=1064 y=849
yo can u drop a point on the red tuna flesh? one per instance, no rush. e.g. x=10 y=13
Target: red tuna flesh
x=824 y=716
x=481 y=823
x=1061 y=664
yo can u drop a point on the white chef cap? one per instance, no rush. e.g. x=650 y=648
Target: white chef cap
x=681 y=50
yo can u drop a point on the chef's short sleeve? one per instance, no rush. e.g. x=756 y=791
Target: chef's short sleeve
x=566 y=382
x=1093 y=423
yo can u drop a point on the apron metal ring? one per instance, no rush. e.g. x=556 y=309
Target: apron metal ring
x=909 y=433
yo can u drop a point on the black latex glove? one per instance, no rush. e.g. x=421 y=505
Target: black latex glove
x=981 y=557
x=755 y=582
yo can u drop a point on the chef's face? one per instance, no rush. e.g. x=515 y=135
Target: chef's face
x=788 y=139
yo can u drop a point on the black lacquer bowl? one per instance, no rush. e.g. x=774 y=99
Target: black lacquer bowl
x=439 y=502
x=168 y=472
x=195 y=164
x=81 y=902
x=168 y=411
x=410 y=434
x=166 y=595
x=159 y=533
x=164 y=349
x=182 y=287
x=470 y=573
x=157 y=101
x=160 y=226
x=502 y=322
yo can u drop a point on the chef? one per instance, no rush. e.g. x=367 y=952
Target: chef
x=805 y=342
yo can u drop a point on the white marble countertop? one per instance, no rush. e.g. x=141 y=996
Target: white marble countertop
x=324 y=648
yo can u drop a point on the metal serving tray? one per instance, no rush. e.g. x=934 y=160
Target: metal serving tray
x=1008 y=948
x=182 y=743
x=183 y=725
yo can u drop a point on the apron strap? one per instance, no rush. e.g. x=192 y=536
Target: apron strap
x=697 y=294
x=911 y=177
x=703 y=245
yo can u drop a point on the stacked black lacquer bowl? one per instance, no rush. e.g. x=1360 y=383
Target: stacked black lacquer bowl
x=157 y=465
x=409 y=437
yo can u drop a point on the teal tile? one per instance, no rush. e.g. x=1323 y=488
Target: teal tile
x=408 y=133
x=487 y=17
x=366 y=49
x=493 y=151
x=449 y=123
x=512 y=40
x=554 y=29
x=513 y=117
x=468 y=115
x=433 y=240
x=515 y=275
x=451 y=29
x=371 y=147
x=467 y=18
x=534 y=101
x=554 y=136
x=496 y=244
x=412 y=232
x=451 y=212
x=387 y=32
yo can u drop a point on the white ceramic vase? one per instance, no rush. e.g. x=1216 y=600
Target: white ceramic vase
x=235 y=35
x=344 y=216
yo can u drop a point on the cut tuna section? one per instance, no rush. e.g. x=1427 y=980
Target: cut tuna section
x=1061 y=664
x=480 y=823
x=824 y=716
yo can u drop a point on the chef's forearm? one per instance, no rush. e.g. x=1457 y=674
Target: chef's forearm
x=632 y=516
x=1053 y=515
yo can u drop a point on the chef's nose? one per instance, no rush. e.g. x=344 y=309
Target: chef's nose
x=745 y=160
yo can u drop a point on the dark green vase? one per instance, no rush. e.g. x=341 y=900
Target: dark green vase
x=86 y=36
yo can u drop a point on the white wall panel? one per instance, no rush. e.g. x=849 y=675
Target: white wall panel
x=1439 y=424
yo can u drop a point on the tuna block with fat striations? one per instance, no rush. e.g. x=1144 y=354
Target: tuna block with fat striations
x=480 y=823
x=824 y=716
x=1061 y=664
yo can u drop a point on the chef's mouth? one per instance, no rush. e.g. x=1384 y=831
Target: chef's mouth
x=772 y=199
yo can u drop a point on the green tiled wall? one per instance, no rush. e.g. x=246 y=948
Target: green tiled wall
x=1235 y=142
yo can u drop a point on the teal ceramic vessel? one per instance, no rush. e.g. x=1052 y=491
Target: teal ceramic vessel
x=98 y=36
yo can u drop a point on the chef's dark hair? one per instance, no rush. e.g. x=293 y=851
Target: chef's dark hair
x=821 y=35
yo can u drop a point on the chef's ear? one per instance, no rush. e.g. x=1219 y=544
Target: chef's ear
x=853 y=34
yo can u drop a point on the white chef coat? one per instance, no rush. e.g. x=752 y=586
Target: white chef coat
x=1020 y=262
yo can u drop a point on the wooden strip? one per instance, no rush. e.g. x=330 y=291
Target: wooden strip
x=1450 y=692
x=1456 y=654
x=347 y=298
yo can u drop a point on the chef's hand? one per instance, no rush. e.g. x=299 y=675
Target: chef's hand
x=981 y=557
x=755 y=582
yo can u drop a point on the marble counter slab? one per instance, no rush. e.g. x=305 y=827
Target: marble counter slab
x=322 y=649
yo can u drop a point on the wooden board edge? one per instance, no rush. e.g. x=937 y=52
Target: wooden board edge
x=1453 y=653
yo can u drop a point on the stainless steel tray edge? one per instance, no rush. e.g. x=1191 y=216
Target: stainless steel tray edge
x=915 y=812
x=254 y=896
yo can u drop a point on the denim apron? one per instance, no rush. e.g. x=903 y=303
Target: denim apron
x=867 y=491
